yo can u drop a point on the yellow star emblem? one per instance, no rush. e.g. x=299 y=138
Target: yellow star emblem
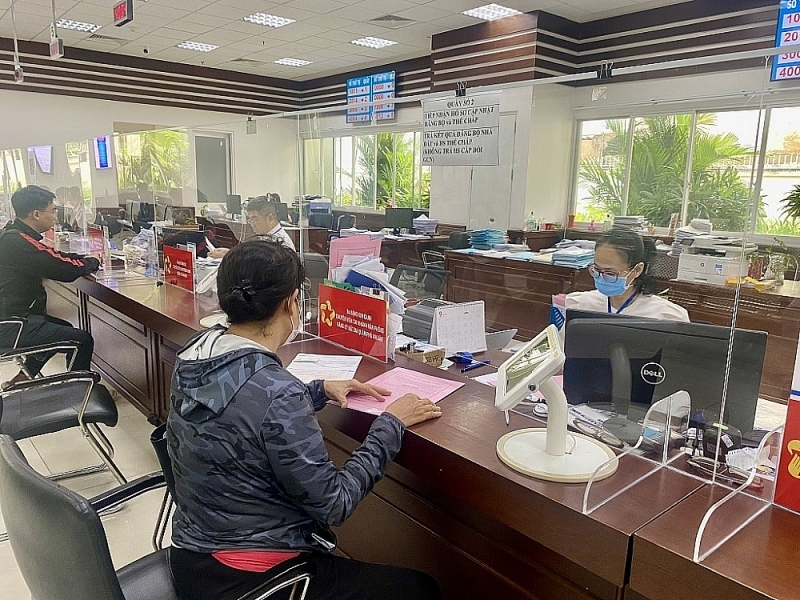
x=326 y=313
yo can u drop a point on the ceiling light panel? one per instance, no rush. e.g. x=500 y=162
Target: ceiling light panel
x=268 y=20
x=197 y=46
x=373 y=42
x=491 y=12
x=293 y=62
x=77 y=25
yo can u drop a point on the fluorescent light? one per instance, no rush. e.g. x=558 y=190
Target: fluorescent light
x=293 y=62
x=77 y=25
x=490 y=12
x=267 y=20
x=198 y=46
x=373 y=42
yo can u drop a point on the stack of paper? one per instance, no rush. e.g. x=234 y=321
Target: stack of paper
x=308 y=367
x=574 y=257
x=399 y=382
x=425 y=226
x=369 y=272
x=484 y=239
x=351 y=232
x=636 y=223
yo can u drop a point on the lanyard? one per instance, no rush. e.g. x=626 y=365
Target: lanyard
x=624 y=306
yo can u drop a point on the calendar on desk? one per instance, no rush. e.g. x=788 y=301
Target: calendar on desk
x=460 y=327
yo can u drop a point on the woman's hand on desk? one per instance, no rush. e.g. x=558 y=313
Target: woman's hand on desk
x=338 y=390
x=411 y=409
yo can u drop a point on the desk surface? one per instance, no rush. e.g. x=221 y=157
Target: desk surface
x=759 y=562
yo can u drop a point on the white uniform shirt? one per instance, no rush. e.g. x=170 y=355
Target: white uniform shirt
x=278 y=234
x=652 y=307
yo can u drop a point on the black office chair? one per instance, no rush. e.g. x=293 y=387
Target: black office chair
x=62 y=551
x=459 y=240
x=316 y=267
x=432 y=259
x=56 y=402
x=158 y=439
x=419 y=282
x=346 y=221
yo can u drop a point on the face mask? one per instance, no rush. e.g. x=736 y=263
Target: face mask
x=619 y=287
x=295 y=330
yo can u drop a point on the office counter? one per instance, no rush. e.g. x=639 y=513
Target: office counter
x=519 y=294
x=759 y=562
x=448 y=505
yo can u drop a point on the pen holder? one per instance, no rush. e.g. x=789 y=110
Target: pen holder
x=432 y=357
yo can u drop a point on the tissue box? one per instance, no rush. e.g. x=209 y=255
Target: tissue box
x=430 y=355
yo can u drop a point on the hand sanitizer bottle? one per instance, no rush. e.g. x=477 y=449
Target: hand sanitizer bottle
x=531 y=224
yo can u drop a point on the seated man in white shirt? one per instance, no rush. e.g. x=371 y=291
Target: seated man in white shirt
x=263 y=218
x=622 y=272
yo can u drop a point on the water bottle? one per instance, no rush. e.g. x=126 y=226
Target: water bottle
x=531 y=224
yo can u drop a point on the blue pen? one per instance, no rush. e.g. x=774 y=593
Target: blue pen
x=476 y=365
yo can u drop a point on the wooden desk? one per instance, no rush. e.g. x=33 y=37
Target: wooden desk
x=448 y=505
x=409 y=252
x=519 y=294
x=760 y=562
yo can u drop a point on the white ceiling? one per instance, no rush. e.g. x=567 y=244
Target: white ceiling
x=322 y=33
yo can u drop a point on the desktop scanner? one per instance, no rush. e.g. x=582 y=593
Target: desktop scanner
x=550 y=454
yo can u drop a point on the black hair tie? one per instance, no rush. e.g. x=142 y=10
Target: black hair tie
x=245 y=290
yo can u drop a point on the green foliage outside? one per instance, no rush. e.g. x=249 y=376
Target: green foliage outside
x=658 y=167
x=386 y=159
x=159 y=159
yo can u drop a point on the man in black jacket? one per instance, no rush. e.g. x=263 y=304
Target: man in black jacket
x=24 y=262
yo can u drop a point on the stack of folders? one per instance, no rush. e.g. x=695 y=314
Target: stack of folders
x=425 y=226
x=484 y=239
x=574 y=257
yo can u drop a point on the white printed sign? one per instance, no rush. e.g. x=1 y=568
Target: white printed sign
x=462 y=131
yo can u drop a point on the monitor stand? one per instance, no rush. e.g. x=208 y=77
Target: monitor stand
x=552 y=454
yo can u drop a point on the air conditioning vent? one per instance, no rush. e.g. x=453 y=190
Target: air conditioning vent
x=247 y=61
x=107 y=38
x=391 y=21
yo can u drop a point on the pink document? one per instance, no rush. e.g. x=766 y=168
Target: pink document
x=400 y=382
x=357 y=245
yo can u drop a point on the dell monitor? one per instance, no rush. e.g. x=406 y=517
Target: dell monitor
x=626 y=364
x=233 y=204
x=399 y=218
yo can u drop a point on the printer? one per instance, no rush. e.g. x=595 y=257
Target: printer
x=418 y=319
x=713 y=259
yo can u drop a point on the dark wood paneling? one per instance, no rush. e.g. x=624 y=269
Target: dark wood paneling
x=409 y=252
x=123 y=352
x=63 y=302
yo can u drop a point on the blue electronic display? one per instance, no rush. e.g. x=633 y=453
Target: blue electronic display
x=101 y=157
x=787 y=64
x=370 y=88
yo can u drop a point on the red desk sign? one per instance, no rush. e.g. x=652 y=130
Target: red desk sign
x=96 y=240
x=355 y=321
x=179 y=267
x=787 y=488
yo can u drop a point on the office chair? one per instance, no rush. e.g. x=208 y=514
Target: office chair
x=459 y=240
x=61 y=547
x=158 y=439
x=419 y=282
x=316 y=267
x=346 y=221
x=432 y=259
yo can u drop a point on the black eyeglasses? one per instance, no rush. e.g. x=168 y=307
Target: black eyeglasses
x=608 y=275
x=726 y=473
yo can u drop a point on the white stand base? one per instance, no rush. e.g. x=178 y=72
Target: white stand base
x=524 y=451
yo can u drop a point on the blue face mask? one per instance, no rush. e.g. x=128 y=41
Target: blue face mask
x=611 y=290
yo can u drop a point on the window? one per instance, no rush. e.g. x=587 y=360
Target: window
x=780 y=174
x=645 y=173
x=369 y=171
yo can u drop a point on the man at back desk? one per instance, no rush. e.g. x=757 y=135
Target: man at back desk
x=24 y=262
x=263 y=218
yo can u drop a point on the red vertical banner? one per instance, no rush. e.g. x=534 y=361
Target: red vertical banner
x=355 y=321
x=787 y=488
x=96 y=240
x=179 y=268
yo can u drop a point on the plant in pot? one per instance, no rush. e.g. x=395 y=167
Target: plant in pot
x=773 y=262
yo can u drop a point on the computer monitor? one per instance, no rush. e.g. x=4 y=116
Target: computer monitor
x=626 y=364
x=181 y=237
x=399 y=218
x=233 y=204
x=282 y=209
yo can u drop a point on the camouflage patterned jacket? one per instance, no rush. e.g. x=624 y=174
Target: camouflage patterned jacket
x=251 y=468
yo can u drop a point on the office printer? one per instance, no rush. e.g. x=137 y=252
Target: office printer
x=712 y=259
x=418 y=319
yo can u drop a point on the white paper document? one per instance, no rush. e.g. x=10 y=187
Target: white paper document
x=308 y=367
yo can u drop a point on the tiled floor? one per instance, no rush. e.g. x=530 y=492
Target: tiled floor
x=130 y=529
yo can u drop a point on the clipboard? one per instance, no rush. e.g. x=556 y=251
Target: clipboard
x=460 y=327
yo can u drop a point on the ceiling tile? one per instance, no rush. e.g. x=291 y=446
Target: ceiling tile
x=316 y=6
